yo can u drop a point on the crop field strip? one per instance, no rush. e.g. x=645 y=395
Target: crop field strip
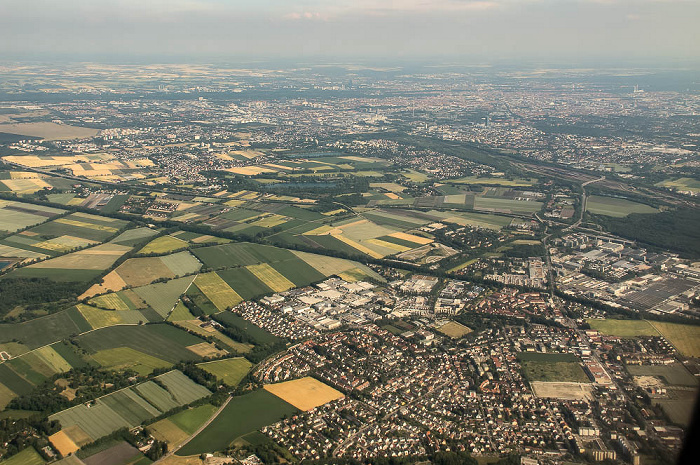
x=45 y=330
x=217 y=291
x=131 y=406
x=230 y=371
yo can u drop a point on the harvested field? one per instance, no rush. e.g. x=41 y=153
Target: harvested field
x=99 y=257
x=305 y=393
x=98 y=318
x=454 y=330
x=568 y=391
x=166 y=430
x=206 y=349
x=270 y=277
x=49 y=131
x=63 y=443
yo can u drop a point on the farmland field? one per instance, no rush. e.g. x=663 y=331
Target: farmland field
x=552 y=367
x=675 y=374
x=163 y=244
x=270 y=277
x=454 y=330
x=240 y=254
x=242 y=415
x=244 y=283
x=48 y=130
x=99 y=257
x=122 y=358
x=134 y=236
x=28 y=456
x=45 y=330
x=623 y=328
x=230 y=371
x=191 y=419
x=305 y=393
x=506 y=205
x=217 y=291
x=6 y=395
x=159 y=340
x=259 y=335
x=162 y=297
x=17 y=215
x=99 y=318
x=682 y=184
x=685 y=338
x=611 y=206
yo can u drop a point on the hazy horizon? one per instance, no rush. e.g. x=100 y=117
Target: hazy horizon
x=572 y=31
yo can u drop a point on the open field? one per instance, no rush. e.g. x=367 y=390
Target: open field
x=611 y=206
x=685 y=338
x=99 y=257
x=552 y=367
x=18 y=215
x=244 y=283
x=162 y=297
x=122 y=358
x=259 y=335
x=675 y=374
x=119 y=454
x=163 y=244
x=506 y=205
x=98 y=318
x=270 y=277
x=240 y=254
x=242 y=415
x=558 y=390
x=230 y=371
x=158 y=340
x=454 y=330
x=28 y=456
x=48 y=130
x=682 y=184
x=166 y=430
x=305 y=393
x=493 y=181
x=217 y=291
x=131 y=406
x=680 y=411
x=193 y=325
x=6 y=395
x=45 y=330
x=622 y=328
x=191 y=419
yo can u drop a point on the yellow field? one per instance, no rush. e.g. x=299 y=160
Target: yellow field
x=163 y=244
x=412 y=238
x=388 y=245
x=217 y=290
x=305 y=393
x=83 y=224
x=110 y=282
x=390 y=186
x=193 y=326
x=270 y=222
x=166 y=430
x=121 y=358
x=53 y=359
x=250 y=170
x=358 y=246
x=685 y=338
x=63 y=443
x=271 y=277
x=96 y=258
x=64 y=243
x=320 y=231
x=102 y=318
x=111 y=301
x=49 y=131
x=25 y=186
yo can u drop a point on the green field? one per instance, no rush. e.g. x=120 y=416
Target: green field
x=162 y=297
x=623 y=328
x=28 y=456
x=121 y=358
x=240 y=254
x=159 y=340
x=45 y=330
x=259 y=335
x=217 y=291
x=134 y=236
x=506 y=205
x=242 y=415
x=551 y=367
x=230 y=371
x=611 y=206
x=682 y=184
x=16 y=215
x=99 y=318
x=485 y=181
x=191 y=419
x=245 y=283
x=131 y=406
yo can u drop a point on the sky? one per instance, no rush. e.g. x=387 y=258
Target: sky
x=481 y=30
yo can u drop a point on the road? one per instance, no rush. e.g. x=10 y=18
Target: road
x=584 y=201
x=201 y=428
